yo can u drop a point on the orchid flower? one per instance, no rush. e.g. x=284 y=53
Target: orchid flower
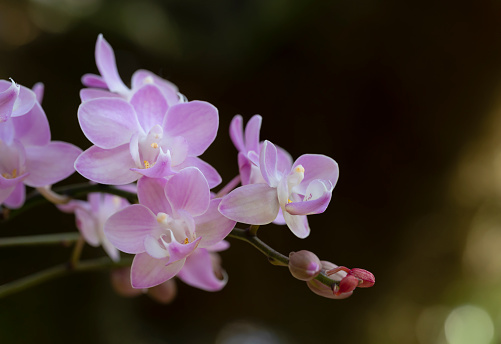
x=303 y=190
x=323 y=290
x=175 y=217
x=91 y=215
x=249 y=147
x=145 y=136
x=15 y=100
x=109 y=83
x=201 y=270
x=27 y=156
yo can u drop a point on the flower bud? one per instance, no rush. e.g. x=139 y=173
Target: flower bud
x=347 y=284
x=321 y=289
x=366 y=278
x=164 y=293
x=120 y=281
x=304 y=265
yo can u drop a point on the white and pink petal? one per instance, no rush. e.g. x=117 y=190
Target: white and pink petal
x=212 y=226
x=108 y=122
x=196 y=121
x=198 y=272
x=253 y=204
x=51 y=163
x=107 y=166
x=128 y=228
x=147 y=272
x=189 y=191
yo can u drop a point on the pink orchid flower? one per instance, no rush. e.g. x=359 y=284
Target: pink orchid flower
x=303 y=190
x=174 y=219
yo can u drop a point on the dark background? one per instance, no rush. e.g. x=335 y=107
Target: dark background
x=403 y=95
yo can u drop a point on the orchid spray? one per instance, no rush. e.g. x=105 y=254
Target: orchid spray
x=148 y=198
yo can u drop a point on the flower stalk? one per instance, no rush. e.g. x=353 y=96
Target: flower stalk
x=274 y=257
x=74 y=191
x=58 y=271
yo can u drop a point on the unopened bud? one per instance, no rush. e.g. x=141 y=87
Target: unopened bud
x=164 y=293
x=347 y=284
x=321 y=289
x=120 y=281
x=304 y=265
x=366 y=278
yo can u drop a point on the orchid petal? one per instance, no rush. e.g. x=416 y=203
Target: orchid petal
x=110 y=250
x=86 y=223
x=284 y=160
x=92 y=93
x=196 y=121
x=93 y=80
x=32 y=128
x=316 y=200
x=169 y=90
x=105 y=61
x=161 y=168
x=178 y=147
x=108 y=122
x=280 y=218
x=150 y=106
x=220 y=246
x=189 y=191
x=24 y=102
x=150 y=192
x=268 y=163
x=209 y=172
x=50 y=163
x=38 y=89
x=179 y=251
x=8 y=98
x=153 y=248
x=245 y=169
x=236 y=133
x=253 y=204
x=298 y=224
x=7 y=131
x=107 y=166
x=6 y=191
x=128 y=228
x=316 y=167
x=147 y=272
x=252 y=133
x=198 y=272
x=212 y=226
x=16 y=197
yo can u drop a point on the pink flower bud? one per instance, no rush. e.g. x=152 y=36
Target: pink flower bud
x=366 y=278
x=347 y=284
x=321 y=289
x=304 y=265
x=164 y=293
x=120 y=281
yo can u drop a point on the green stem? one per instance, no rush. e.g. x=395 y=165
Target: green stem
x=275 y=258
x=36 y=240
x=77 y=251
x=57 y=271
x=75 y=190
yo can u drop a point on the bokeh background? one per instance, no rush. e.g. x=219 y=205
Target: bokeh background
x=405 y=96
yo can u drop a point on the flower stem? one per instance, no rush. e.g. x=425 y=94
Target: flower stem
x=75 y=190
x=77 y=251
x=35 y=240
x=275 y=258
x=57 y=271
